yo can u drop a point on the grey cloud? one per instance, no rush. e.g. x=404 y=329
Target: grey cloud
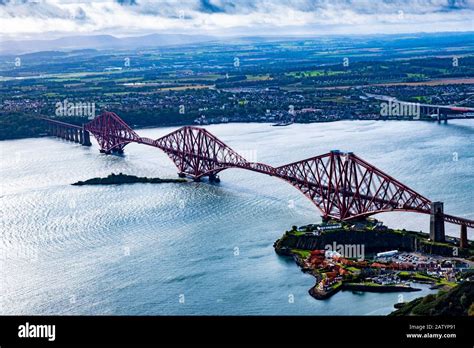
x=254 y=15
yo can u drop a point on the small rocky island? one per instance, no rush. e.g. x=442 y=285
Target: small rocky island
x=121 y=179
x=367 y=256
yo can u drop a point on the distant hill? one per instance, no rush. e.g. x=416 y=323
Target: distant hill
x=388 y=42
x=458 y=301
x=100 y=42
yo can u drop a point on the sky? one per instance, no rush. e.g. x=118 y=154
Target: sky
x=27 y=19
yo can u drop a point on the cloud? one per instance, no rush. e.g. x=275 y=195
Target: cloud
x=52 y=18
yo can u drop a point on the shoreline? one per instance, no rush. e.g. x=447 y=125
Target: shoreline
x=270 y=123
x=323 y=295
x=334 y=273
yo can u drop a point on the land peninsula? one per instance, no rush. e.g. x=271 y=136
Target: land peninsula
x=365 y=255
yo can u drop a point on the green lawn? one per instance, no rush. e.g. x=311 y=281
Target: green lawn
x=313 y=73
x=416 y=276
x=259 y=77
x=353 y=269
x=297 y=233
x=420 y=276
x=303 y=253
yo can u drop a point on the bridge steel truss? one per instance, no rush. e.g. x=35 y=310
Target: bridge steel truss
x=111 y=132
x=342 y=185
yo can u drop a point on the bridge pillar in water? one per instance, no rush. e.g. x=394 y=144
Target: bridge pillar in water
x=74 y=135
x=86 y=139
x=214 y=178
x=463 y=243
x=437 y=222
x=442 y=116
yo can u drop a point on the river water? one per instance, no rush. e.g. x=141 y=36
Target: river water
x=197 y=248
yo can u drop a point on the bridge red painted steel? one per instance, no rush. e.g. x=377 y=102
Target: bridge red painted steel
x=341 y=185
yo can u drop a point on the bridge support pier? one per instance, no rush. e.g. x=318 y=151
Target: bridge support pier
x=114 y=151
x=214 y=178
x=442 y=117
x=437 y=222
x=463 y=243
x=69 y=132
x=86 y=139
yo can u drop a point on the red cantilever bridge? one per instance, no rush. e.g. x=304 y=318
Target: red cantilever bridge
x=342 y=185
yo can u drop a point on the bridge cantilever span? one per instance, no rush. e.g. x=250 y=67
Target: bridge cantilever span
x=111 y=132
x=341 y=185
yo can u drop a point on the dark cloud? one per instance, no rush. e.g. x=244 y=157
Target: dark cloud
x=207 y=7
x=80 y=14
x=456 y=4
x=5 y=2
x=127 y=2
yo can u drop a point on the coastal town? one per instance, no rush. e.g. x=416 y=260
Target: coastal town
x=359 y=266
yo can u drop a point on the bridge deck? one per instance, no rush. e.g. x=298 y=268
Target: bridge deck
x=59 y=123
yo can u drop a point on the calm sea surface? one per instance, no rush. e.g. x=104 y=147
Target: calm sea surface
x=145 y=249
